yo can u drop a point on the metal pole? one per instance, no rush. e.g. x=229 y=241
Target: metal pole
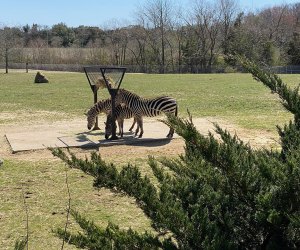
x=113 y=93
x=96 y=127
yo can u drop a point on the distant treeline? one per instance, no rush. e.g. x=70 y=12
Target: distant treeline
x=164 y=39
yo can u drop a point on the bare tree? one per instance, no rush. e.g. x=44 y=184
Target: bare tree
x=229 y=11
x=156 y=16
x=10 y=38
x=118 y=37
x=137 y=46
x=204 y=28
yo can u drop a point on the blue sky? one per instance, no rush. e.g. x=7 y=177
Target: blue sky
x=90 y=12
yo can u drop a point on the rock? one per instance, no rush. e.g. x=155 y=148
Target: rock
x=40 y=78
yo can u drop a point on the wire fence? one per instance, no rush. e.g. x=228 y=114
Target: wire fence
x=197 y=69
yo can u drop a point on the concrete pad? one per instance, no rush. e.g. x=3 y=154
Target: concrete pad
x=84 y=140
x=154 y=132
x=32 y=141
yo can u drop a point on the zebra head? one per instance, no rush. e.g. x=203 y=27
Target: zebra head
x=91 y=118
x=99 y=107
x=108 y=126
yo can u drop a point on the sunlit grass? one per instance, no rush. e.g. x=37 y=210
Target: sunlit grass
x=234 y=97
x=41 y=187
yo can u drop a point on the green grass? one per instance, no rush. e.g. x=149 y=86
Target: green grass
x=44 y=186
x=234 y=97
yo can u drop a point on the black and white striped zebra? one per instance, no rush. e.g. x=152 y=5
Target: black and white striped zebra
x=148 y=107
x=121 y=113
x=103 y=106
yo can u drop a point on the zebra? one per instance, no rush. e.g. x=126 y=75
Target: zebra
x=121 y=113
x=148 y=107
x=103 y=106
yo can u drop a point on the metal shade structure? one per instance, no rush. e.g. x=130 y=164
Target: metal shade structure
x=106 y=77
x=93 y=74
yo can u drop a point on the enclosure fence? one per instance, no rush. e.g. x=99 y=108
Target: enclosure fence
x=170 y=69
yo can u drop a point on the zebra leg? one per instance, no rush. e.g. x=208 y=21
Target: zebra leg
x=140 y=124
x=134 y=122
x=171 y=132
x=122 y=126
x=137 y=127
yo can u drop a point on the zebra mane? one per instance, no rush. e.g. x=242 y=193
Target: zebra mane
x=127 y=92
x=99 y=107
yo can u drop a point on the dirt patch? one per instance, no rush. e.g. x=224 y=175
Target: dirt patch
x=121 y=153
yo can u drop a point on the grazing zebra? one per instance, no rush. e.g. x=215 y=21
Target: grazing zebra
x=103 y=106
x=121 y=113
x=148 y=107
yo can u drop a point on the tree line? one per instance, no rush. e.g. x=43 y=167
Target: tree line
x=164 y=38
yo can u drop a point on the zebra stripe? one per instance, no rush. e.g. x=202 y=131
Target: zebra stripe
x=121 y=113
x=103 y=106
x=148 y=107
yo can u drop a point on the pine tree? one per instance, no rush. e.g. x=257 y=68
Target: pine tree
x=220 y=194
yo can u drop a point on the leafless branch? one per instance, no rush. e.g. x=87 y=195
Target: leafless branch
x=27 y=218
x=68 y=209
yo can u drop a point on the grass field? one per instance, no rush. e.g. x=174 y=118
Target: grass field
x=42 y=186
x=236 y=98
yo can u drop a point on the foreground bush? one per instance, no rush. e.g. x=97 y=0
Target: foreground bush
x=221 y=194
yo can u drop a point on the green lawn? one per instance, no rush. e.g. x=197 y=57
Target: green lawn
x=41 y=187
x=234 y=97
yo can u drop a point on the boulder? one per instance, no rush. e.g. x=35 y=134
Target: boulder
x=40 y=78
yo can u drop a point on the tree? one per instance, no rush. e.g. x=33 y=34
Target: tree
x=137 y=46
x=65 y=33
x=221 y=194
x=156 y=16
x=229 y=14
x=204 y=30
x=87 y=36
x=10 y=38
x=294 y=50
x=118 y=41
